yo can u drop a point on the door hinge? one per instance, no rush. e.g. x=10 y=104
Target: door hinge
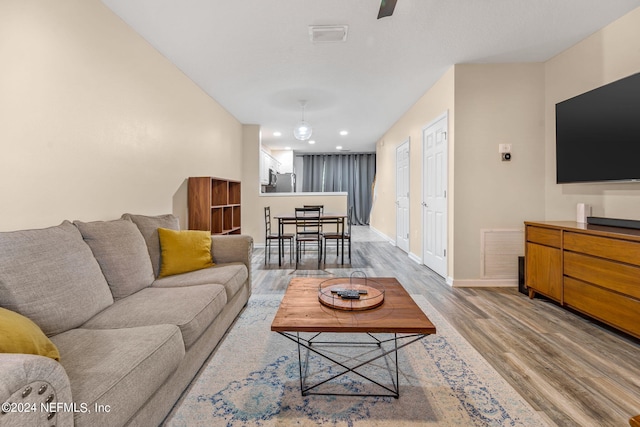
x=445 y=252
x=445 y=194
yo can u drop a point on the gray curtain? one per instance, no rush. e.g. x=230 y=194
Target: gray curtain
x=352 y=173
x=313 y=173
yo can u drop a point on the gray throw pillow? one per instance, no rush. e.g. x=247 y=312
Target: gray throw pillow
x=122 y=254
x=50 y=276
x=148 y=226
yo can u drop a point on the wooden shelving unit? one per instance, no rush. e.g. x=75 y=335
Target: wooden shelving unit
x=214 y=205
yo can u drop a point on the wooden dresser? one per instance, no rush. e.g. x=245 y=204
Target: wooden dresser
x=591 y=268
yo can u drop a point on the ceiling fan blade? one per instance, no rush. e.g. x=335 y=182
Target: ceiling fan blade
x=386 y=8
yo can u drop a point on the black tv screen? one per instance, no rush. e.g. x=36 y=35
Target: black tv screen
x=598 y=134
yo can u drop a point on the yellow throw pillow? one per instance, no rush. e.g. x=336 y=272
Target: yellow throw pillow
x=19 y=334
x=184 y=251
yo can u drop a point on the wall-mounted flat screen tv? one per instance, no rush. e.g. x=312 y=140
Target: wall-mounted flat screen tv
x=598 y=134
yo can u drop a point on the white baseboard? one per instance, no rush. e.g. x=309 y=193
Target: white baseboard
x=381 y=234
x=415 y=258
x=483 y=283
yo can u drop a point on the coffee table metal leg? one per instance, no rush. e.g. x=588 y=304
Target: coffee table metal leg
x=303 y=376
x=313 y=346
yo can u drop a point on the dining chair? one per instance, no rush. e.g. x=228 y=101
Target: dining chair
x=341 y=236
x=269 y=236
x=321 y=207
x=308 y=231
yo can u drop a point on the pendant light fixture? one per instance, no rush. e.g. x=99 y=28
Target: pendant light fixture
x=303 y=130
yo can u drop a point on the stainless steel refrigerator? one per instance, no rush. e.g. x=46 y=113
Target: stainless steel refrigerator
x=285 y=182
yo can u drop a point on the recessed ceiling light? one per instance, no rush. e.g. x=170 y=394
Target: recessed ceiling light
x=328 y=33
x=276 y=133
x=311 y=141
x=287 y=148
x=339 y=147
x=344 y=132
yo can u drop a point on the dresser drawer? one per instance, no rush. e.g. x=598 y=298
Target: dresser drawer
x=609 y=307
x=605 y=247
x=544 y=236
x=622 y=278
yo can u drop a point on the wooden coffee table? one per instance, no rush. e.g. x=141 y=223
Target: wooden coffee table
x=302 y=319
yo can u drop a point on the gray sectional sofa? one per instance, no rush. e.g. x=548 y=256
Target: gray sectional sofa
x=129 y=342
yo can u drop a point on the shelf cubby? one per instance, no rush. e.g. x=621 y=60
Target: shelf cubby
x=214 y=205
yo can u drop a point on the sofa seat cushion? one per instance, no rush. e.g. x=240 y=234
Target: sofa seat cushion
x=232 y=276
x=122 y=254
x=192 y=309
x=120 y=368
x=50 y=276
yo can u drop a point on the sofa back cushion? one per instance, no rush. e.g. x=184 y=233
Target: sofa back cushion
x=51 y=277
x=121 y=253
x=148 y=226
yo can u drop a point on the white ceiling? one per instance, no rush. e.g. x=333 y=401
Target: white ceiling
x=255 y=57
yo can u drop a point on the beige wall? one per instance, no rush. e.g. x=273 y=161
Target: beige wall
x=496 y=104
x=487 y=105
x=94 y=122
x=606 y=56
x=436 y=101
x=251 y=208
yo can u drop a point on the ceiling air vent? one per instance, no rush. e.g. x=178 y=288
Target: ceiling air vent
x=328 y=33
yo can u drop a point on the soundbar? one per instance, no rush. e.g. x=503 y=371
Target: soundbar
x=614 y=222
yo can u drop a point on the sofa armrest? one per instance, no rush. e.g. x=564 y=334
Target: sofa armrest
x=232 y=248
x=33 y=391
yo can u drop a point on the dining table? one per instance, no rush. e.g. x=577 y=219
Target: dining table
x=326 y=218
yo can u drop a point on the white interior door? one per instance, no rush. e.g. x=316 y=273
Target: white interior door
x=434 y=200
x=402 y=196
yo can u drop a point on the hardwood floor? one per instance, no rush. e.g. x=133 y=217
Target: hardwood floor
x=574 y=371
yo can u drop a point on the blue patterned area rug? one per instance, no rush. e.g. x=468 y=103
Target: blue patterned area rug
x=253 y=380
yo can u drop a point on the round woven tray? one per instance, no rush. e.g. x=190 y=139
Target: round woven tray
x=372 y=299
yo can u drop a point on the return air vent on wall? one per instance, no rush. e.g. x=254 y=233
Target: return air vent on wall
x=500 y=251
x=328 y=33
